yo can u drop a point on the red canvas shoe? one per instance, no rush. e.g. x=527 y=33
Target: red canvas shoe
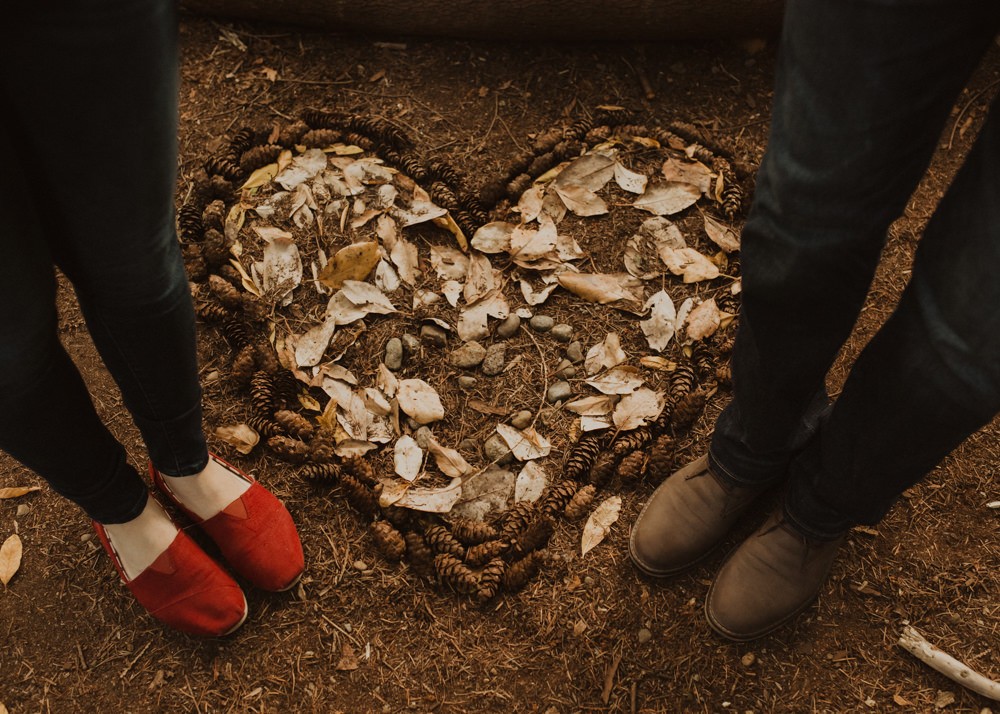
x=185 y=589
x=255 y=533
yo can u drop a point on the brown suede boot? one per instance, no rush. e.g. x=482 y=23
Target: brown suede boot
x=768 y=580
x=685 y=519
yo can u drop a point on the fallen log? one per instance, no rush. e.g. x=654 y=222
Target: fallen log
x=529 y=20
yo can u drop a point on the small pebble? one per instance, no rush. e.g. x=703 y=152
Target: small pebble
x=467 y=381
x=496 y=357
x=588 y=580
x=360 y=565
x=645 y=636
x=565 y=369
x=496 y=449
x=469 y=446
x=574 y=353
x=748 y=659
x=413 y=424
x=509 y=327
x=393 y=354
x=559 y=392
x=411 y=344
x=22 y=510
x=434 y=335
x=469 y=355
x=423 y=436
x=541 y=323
x=521 y=420
x=562 y=332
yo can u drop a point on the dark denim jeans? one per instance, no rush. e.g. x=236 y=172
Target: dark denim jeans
x=863 y=92
x=88 y=135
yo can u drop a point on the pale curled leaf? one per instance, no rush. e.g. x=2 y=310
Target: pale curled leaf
x=689 y=263
x=449 y=263
x=703 y=320
x=581 y=201
x=666 y=199
x=310 y=347
x=448 y=460
x=722 y=235
x=604 y=355
x=525 y=444
x=599 y=524
x=419 y=400
x=637 y=409
x=354 y=262
x=239 y=436
x=530 y=483
x=593 y=405
x=623 y=379
x=692 y=172
x=493 y=237
x=10 y=558
x=629 y=180
x=408 y=458
x=17 y=491
x=484 y=492
x=603 y=288
x=429 y=500
x=591 y=171
x=662 y=322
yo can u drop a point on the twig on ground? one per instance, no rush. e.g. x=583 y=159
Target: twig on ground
x=914 y=643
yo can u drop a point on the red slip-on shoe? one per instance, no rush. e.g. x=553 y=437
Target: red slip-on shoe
x=255 y=533
x=185 y=589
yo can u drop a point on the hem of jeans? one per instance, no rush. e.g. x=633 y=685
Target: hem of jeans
x=810 y=533
x=731 y=479
x=133 y=511
x=185 y=470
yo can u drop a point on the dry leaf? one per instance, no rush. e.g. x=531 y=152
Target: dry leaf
x=722 y=235
x=408 y=457
x=310 y=347
x=10 y=558
x=473 y=321
x=386 y=278
x=484 y=492
x=666 y=199
x=447 y=221
x=448 y=460
x=366 y=297
x=703 y=320
x=661 y=364
x=493 y=237
x=354 y=262
x=525 y=444
x=302 y=168
x=642 y=250
x=689 y=263
x=599 y=523
x=594 y=423
x=404 y=256
x=386 y=381
x=282 y=270
x=479 y=282
x=630 y=180
x=17 y=491
x=536 y=249
x=428 y=500
x=536 y=297
x=603 y=288
x=662 y=322
x=348 y=661
x=593 y=405
x=692 y=172
x=604 y=355
x=450 y=263
x=623 y=379
x=591 y=171
x=530 y=483
x=419 y=400
x=637 y=408
x=239 y=436
x=582 y=201
x=529 y=205
x=261 y=177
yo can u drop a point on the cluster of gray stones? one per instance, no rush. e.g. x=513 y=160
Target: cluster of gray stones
x=490 y=361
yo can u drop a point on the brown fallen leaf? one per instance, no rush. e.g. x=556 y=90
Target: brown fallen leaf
x=17 y=491
x=666 y=199
x=10 y=558
x=354 y=262
x=348 y=660
x=599 y=523
x=483 y=408
x=239 y=436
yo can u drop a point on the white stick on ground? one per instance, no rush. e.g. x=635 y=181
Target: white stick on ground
x=914 y=643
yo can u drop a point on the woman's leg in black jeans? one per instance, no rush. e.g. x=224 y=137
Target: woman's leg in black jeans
x=95 y=104
x=862 y=93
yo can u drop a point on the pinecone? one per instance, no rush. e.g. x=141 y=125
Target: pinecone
x=453 y=572
x=236 y=333
x=420 y=556
x=215 y=248
x=263 y=426
x=682 y=381
x=442 y=195
x=470 y=532
x=603 y=469
x=689 y=409
x=490 y=580
x=517 y=519
x=359 y=140
x=520 y=184
x=321 y=138
x=520 y=572
x=535 y=537
x=241 y=141
x=547 y=141
x=294 y=424
x=388 y=540
x=267 y=358
x=580 y=503
x=362 y=498
x=286 y=386
x=189 y=222
x=243 y=366
x=598 y=134
x=262 y=394
x=555 y=498
x=724 y=374
x=291 y=450
x=485 y=552
x=322 y=451
x=661 y=458
x=441 y=171
x=292 y=134
x=223 y=164
x=582 y=455
x=233 y=277
x=194 y=263
x=630 y=441
x=442 y=541
x=321 y=474
x=214 y=215
x=360 y=469
x=259 y=156
x=542 y=163
x=213 y=312
x=633 y=467
x=662 y=421
x=704 y=360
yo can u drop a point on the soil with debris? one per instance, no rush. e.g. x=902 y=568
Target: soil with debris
x=364 y=634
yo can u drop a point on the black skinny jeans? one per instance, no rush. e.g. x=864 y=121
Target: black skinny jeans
x=864 y=88
x=88 y=134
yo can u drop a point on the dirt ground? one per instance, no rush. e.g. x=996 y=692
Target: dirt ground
x=72 y=639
